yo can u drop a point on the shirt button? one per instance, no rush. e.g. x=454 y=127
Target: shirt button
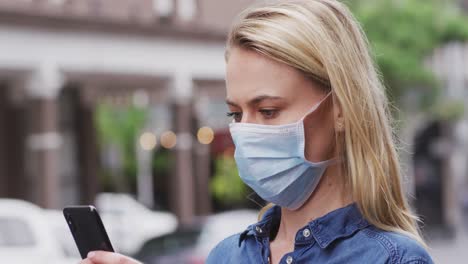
x=289 y=260
x=258 y=229
x=306 y=232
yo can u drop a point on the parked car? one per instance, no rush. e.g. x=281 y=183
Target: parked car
x=26 y=236
x=191 y=245
x=61 y=232
x=171 y=248
x=129 y=223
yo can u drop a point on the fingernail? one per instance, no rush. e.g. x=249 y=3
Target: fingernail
x=91 y=254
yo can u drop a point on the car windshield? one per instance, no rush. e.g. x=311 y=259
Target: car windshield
x=15 y=233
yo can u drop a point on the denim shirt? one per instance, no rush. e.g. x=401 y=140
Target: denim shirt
x=341 y=236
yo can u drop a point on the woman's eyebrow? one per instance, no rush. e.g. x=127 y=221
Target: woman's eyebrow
x=231 y=103
x=261 y=98
x=256 y=100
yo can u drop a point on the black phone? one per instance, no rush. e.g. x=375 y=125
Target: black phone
x=87 y=229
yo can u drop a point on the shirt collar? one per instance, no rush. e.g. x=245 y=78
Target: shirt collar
x=262 y=228
x=337 y=224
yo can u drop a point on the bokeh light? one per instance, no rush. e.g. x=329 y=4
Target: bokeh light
x=148 y=141
x=168 y=139
x=205 y=135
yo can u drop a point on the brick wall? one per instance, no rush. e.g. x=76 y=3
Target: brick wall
x=218 y=14
x=115 y=10
x=214 y=15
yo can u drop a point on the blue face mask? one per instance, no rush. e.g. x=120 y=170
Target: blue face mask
x=270 y=159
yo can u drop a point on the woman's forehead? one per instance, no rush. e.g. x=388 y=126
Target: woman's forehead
x=250 y=75
x=255 y=73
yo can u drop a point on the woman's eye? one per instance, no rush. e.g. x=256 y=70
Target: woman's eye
x=237 y=116
x=269 y=113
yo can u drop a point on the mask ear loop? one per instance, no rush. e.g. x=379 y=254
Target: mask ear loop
x=317 y=105
x=256 y=199
x=325 y=162
x=300 y=123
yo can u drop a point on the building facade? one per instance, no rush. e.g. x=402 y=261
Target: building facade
x=61 y=57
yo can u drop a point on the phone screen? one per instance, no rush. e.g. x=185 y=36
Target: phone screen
x=87 y=229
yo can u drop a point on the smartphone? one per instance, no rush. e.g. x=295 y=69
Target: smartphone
x=87 y=229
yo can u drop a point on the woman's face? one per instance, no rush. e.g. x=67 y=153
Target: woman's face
x=263 y=91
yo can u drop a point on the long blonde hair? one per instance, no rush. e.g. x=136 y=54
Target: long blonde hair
x=322 y=39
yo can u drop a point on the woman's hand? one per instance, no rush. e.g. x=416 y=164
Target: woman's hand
x=103 y=257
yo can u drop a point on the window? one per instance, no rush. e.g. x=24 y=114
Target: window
x=164 y=8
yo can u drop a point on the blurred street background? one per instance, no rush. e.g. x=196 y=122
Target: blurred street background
x=120 y=104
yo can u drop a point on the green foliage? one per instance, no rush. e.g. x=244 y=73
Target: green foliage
x=226 y=185
x=402 y=34
x=162 y=161
x=120 y=127
x=448 y=110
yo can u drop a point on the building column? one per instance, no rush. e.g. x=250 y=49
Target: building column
x=43 y=139
x=13 y=136
x=203 y=114
x=43 y=142
x=203 y=172
x=182 y=184
x=88 y=155
x=3 y=141
x=88 y=152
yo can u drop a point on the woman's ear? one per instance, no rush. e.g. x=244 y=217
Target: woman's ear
x=337 y=116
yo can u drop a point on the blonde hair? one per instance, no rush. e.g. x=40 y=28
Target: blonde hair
x=322 y=39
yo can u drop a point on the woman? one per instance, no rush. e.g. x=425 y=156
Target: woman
x=313 y=137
